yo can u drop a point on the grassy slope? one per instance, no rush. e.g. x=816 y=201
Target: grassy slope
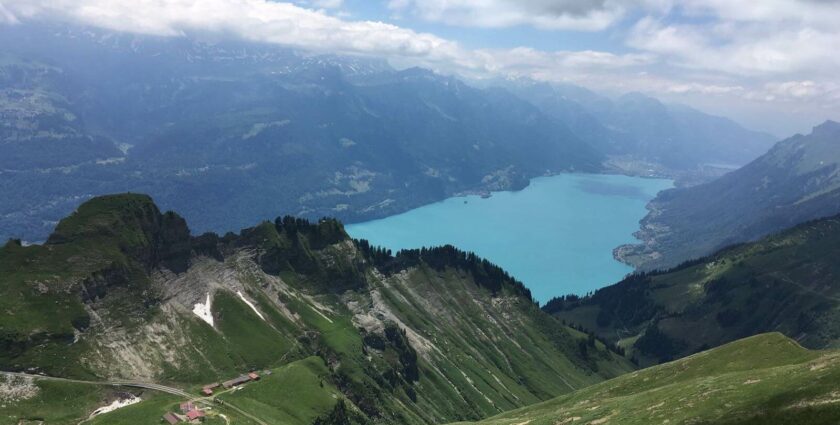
x=763 y=379
x=494 y=351
x=55 y=403
x=784 y=283
x=490 y=350
x=35 y=280
x=294 y=394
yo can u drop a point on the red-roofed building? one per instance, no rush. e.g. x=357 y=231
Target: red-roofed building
x=195 y=414
x=187 y=406
x=208 y=389
x=253 y=376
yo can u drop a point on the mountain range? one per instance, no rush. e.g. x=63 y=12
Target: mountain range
x=123 y=305
x=794 y=182
x=641 y=135
x=228 y=133
x=210 y=128
x=118 y=310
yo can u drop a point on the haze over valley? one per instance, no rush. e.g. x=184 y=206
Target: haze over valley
x=208 y=129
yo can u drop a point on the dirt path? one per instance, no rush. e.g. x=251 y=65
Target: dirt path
x=144 y=385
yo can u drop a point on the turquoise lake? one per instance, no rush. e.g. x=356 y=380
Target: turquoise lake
x=556 y=236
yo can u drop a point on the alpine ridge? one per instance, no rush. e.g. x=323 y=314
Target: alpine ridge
x=122 y=292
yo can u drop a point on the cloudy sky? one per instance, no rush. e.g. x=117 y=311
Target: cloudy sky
x=773 y=65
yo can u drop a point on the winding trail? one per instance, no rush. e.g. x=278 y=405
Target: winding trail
x=134 y=384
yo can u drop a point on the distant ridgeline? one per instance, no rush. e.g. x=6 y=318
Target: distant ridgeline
x=279 y=131
x=122 y=291
x=787 y=282
x=208 y=128
x=796 y=181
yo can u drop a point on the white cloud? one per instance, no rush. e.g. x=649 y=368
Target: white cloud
x=257 y=20
x=793 y=91
x=810 y=12
x=708 y=89
x=585 y=15
x=326 y=4
x=524 y=60
x=748 y=49
x=759 y=52
x=6 y=17
x=292 y=25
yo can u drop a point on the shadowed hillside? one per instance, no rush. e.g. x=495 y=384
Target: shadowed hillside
x=786 y=283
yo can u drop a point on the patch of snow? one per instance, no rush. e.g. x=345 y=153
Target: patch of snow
x=192 y=171
x=110 y=161
x=250 y=304
x=117 y=404
x=258 y=128
x=203 y=311
x=124 y=147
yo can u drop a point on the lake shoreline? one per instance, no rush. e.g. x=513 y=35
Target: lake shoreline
x=557 y=234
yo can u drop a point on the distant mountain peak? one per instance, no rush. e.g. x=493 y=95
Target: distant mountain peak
x=828 y=127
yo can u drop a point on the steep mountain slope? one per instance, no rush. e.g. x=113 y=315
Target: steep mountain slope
x=680 y=137
x=121 y=291
x=795 y=182
x=642 y=135
x=575 y=109
x=786 y=283
x=37 y=128
x=759 y=380
x=221 y=125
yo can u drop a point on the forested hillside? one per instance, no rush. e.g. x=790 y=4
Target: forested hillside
x=785 y=283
